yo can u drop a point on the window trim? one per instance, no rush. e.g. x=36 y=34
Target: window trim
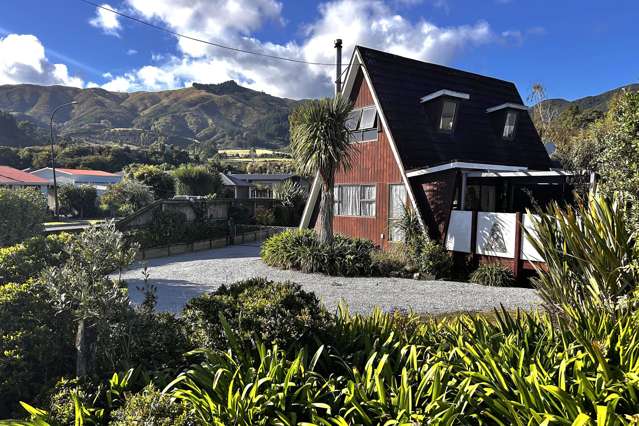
x=393 y=220
x=514 y=132
x=360 y=132
x=337 y=201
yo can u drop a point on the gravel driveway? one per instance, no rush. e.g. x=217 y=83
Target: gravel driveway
x=179 y=278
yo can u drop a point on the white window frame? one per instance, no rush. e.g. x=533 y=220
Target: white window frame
x=453 y=118
x=360 y=130
x=360 y=200
x=392 y=221
x=510 y=135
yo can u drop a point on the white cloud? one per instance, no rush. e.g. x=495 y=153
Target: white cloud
x=107 y=21
x=23 y=60
x=231 y=22
x=131 y=52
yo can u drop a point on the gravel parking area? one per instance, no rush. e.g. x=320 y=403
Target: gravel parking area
x=179 y=278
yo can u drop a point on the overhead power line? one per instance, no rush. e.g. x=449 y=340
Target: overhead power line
x=210 y=43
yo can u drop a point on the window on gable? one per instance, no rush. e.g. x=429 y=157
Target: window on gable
x=363 y=124
x=352 y=122
x=355 y=200
x=449 y=111
x=509 y=126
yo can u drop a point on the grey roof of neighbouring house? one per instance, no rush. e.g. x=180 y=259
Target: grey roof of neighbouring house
x=247 y=177
x=400 y=83
x=228 y=180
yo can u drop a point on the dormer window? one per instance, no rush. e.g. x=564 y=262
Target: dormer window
x=442 y=108
x=447 y=121
x=509 y=126
x=362 y=124
x=506 y=115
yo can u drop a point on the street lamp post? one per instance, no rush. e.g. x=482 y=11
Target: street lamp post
x=55 y=180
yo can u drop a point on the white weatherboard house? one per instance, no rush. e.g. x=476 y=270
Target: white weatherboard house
x=97 y=178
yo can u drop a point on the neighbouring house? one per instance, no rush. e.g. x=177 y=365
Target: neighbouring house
x=234 y=187
x=13 y=179
x=97 y=178
x=263 y=185
x=457 y=147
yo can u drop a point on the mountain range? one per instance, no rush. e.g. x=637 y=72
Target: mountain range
x=226 y=114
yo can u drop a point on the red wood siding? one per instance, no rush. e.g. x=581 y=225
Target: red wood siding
x=375 y=164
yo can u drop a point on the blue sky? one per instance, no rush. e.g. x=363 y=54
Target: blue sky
x=574 y=48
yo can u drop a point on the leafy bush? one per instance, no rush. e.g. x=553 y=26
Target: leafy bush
x=151 y=407
x=161 y=182
x=493 y=274
x=393 y=262
x=429 y=257
x=36 y=343
x=196 y=180
x=281 y=313
x=300 y=249
x=264 y=216
x=126 y=197
x=28 y=259
x=22 y=213
x=516 y=369
x=80 y=201
x=591 y=257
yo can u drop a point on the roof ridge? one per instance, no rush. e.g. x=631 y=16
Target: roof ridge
x=443 y=67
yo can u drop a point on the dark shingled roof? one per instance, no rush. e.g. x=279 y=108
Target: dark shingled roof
x=400 y=83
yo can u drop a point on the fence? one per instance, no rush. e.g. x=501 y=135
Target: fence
x=496 y=237
x=240 y=234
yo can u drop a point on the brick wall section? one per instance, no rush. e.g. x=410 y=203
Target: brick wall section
x=435 y=194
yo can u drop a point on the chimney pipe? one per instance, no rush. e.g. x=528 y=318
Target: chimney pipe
x=338 y=68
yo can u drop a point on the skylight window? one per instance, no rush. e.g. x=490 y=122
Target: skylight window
x=449 y=111
x=509 y=126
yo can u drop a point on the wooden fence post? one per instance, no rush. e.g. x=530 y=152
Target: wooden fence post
x=473 y=235
x=517 y=255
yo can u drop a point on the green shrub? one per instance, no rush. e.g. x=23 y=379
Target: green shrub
x=151 y=407
x=26 y=260
x=196 y=180
x=270 y=311
x=36 y=344
x=300 y=250
x=393 y=262
x=429 y=257
x=264 y=216
x=493 y=274
x=22 y=213
x=78 y=201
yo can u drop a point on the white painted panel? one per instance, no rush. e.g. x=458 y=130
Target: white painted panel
x=528 y=252
x=459 y=231
x=496 y=234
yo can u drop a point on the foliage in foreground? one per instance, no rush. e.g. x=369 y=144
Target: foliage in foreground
x=28 y=259
x=256 y=308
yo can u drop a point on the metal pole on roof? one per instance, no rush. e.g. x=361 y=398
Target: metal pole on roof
x=55 y=180
x=338 y=69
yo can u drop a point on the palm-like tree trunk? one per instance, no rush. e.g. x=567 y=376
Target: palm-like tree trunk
x=81 y=349
x=326 y=213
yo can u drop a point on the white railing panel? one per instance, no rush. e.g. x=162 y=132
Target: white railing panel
x=528 y=252
x=459 y=231
x=496 y=234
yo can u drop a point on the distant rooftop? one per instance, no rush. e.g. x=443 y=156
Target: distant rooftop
x=82 y=172
x=9 y=175
x=262 y=176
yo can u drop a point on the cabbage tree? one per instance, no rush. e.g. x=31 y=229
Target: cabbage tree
x=320 y=143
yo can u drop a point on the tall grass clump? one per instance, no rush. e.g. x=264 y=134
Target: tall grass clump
x=301 y=250
x=493 y=275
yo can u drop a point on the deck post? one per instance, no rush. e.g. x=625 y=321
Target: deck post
x=517 y=255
